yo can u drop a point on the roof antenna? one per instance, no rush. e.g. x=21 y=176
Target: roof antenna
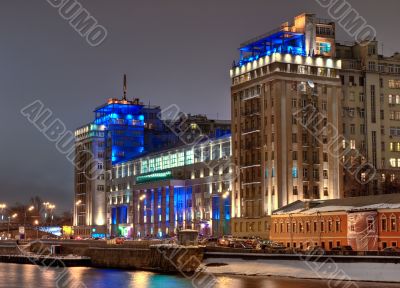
x=124 y=98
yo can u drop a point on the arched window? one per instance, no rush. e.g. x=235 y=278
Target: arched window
x=301 y=227
x=383 y=223
x=330 y=225
x=393 y=223
x=338 y=225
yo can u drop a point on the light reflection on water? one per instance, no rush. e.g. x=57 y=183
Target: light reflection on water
x=30 y=276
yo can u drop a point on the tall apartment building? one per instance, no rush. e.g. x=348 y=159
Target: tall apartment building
x=286 y=94
x=371 y=117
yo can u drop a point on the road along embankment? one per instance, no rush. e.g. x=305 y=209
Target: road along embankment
x=335 y=267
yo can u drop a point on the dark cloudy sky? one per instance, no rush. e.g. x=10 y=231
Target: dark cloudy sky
x=174 y=51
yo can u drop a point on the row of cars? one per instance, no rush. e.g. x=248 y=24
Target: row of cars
x=269 y=246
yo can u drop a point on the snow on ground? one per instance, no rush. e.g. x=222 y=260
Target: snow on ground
x=385 y=272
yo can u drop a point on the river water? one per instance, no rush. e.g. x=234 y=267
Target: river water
x=30 y=276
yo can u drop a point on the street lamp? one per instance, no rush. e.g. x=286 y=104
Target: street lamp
x=49 y=206
x=36 y=223
x=2 y=207
x=31 y=208
x=9 y=222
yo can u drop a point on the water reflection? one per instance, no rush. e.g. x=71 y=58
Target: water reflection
x=30 y=276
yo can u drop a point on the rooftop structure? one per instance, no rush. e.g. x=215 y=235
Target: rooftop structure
x=305 y=36
x=386 y=201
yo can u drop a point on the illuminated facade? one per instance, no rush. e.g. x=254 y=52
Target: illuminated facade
x=122 y=130
x=371 y=117
x=368 y=223
x=185 y=187
x=286 y=95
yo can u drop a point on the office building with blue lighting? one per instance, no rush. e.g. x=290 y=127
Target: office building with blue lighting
x=122 y=130
x=187 y=187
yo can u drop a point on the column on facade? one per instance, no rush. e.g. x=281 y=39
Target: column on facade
x=163 y=211
x=171 y=210
x=141 y=214
x=148 y=214
x=155 y=211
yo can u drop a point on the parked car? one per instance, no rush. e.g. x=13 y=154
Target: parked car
x=342 y=248
x=315 y=250
x=241 y=244
x=119 y=240
x=225 y=240
x=391 y=250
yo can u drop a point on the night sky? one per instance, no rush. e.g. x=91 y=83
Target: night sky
x=175 y=51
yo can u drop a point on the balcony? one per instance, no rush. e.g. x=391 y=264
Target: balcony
x=255 y=112
x=250 y=131
x=250 y=96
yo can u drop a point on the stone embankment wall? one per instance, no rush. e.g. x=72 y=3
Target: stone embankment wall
x=151 y=255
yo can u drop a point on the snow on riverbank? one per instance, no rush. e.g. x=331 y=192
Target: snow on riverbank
x=385 y=272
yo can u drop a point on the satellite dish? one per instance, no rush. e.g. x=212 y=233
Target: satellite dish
x=311 y=84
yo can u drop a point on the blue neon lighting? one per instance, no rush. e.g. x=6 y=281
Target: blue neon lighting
x=294 y=172
x=279 y=42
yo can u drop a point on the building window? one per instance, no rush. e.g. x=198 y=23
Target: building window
x=305 y=173
x=352 y=227
x=294 y=138
x=352 y=144
x=394 y=84
x=384 y=223
x=337 y=225
x=393 y=226
x=294 y=172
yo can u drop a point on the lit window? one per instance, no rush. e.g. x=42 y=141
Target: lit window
x=323 y=47
x=352 y=144
x=294 y=172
